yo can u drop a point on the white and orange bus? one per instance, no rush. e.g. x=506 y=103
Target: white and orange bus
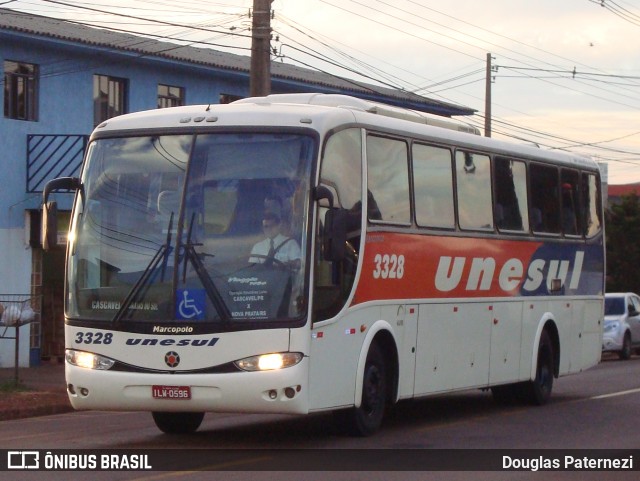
x=306 y=253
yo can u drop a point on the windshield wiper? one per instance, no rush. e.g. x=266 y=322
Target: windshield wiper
x=203 y=275
x=161 y=254
x=167 y=249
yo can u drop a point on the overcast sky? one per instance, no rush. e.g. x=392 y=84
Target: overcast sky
x=439 y=49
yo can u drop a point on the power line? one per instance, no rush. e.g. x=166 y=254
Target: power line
x=142 y=37
x=568 y=141
x=574 y=73
x=135 y=17
x=619 y=11
x=399 y=30
x=600 y=97
x=358 y=63
x=375 y=72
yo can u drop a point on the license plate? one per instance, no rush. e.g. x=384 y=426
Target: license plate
x=171 y=392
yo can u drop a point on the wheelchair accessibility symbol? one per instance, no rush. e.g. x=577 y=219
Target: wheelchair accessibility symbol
x=190 y=304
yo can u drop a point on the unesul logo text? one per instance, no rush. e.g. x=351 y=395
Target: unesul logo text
x=482 y=270
x=150 y=341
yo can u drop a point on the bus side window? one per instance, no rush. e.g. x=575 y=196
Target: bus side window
x=433 y=186
x=592 y=213
x=473 y=189
x=545 y=201
x=510 y=182
x=341 y=172
x=569 y=183
x=388 y=180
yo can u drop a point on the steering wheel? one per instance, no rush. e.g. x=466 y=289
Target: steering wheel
x=276 y=262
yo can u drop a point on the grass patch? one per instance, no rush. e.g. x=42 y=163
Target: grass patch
x=12 y=386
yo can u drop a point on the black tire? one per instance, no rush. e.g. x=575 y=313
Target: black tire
x=177 y=423
x=625 y=352
x=367 y=419
x=538 y=391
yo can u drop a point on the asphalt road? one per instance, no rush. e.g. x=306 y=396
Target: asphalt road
x=596 y=409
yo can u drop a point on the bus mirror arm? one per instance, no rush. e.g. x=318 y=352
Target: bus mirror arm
x=50 y=209
x=61 y=183
x=323 y=192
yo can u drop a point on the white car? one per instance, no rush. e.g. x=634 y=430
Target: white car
x=621 y=324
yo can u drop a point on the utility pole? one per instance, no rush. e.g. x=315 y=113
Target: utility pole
x=260 y=75
x=487 y=99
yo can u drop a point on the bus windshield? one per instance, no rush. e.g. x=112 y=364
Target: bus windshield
x=181 y=228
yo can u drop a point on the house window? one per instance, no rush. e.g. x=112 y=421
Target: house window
x=170 y=96
x=20 y=90
x=228 y=98
x=109 y=95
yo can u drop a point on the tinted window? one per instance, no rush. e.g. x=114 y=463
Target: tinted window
x=613 y=306
x=473 y=177
x=20 y=90
x=570 y=199
x=635 y=304
x=433 y=186
x=109 y=97
x=591 y=205
x=170 y=96
x=511 y=195
x=341 y=172
x=388 y=176
x=545 y=206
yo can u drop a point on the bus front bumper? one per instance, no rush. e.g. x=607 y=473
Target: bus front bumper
x=278 y=391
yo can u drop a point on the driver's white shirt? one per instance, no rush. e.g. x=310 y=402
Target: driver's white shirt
x=289 y=250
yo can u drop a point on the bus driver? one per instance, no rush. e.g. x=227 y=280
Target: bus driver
x=276 y=247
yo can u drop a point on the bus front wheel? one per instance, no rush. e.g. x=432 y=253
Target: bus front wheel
x=177 y=423
x=367 y=419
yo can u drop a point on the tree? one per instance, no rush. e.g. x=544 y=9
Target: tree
x=622 y=224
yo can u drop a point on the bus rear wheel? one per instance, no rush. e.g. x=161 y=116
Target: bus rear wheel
x=177 y=423
x=538 y=391
x=367 y=419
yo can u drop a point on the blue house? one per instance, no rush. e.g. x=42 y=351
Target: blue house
x=60 y=80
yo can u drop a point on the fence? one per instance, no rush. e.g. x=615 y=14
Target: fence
x=16 y=310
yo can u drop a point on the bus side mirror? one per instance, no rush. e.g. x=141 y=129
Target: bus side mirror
x=335 y=234
x=49 y=225
x=50 y=209
x=335 y=226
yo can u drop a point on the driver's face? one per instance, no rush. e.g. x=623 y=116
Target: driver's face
x=270 y=227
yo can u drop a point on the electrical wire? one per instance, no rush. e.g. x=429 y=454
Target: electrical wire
x=388 y=79
x=619 y=11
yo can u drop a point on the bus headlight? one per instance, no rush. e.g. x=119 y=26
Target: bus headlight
x=88 y=360
x=269 y=362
